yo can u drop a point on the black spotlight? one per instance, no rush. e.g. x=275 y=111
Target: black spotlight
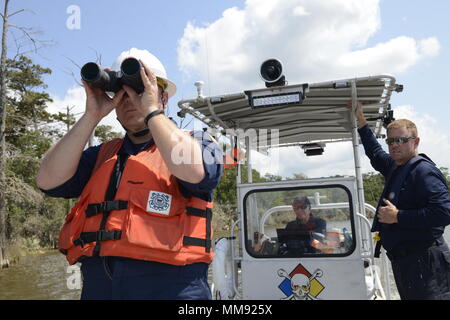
x=313 y=149
x=272 y=73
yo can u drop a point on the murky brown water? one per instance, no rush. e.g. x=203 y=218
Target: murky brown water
x=39 y=277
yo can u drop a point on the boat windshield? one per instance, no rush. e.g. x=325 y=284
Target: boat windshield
x=298 y=222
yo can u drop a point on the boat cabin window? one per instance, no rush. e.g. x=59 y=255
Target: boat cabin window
x=299 y=222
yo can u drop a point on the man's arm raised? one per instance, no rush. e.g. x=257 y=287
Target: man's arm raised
x=60 y=162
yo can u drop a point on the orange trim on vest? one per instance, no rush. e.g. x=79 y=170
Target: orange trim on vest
x=158 y=223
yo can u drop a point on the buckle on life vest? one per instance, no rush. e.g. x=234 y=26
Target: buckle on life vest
x=101 y=235
x=106 y=206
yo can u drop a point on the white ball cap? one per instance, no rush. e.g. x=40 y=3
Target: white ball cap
x=152 y=62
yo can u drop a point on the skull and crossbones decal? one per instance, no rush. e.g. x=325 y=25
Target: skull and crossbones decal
x=300 y=284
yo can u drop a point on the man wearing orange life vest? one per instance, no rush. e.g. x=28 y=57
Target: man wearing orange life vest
x=142 y=225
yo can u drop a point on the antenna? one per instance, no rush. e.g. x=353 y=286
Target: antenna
x=199 y=85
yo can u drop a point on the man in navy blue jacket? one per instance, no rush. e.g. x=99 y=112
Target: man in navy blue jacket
x=413 y=211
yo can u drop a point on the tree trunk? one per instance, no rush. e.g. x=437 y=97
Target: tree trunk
x=3 y=257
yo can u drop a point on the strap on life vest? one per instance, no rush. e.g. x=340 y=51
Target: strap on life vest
x=101 y=235
x=105 y=208
x=106 y=235
x=191 y=241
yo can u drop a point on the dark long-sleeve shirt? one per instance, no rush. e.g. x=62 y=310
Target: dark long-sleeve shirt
x=423 y=201
x=313 y=225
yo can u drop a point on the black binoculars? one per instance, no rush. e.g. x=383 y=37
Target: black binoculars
x=112 y=81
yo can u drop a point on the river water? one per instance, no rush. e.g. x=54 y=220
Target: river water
x=48 y=276
x=39 y=277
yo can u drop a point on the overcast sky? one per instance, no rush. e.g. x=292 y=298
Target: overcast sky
x=224 y=42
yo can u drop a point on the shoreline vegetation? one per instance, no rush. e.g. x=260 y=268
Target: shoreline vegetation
x=17 y=252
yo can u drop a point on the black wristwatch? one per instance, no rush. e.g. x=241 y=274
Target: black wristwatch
x=152 y=114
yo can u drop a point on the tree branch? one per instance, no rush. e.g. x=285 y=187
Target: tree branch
x=18 y=11
x=71 y=73
x=24 y=30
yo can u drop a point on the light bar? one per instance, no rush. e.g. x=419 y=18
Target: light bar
x=276 y=100
x=278 y=96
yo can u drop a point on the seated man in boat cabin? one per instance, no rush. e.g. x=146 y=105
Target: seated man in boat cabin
x=305 y=222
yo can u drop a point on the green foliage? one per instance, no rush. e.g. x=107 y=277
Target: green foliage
x=373 y=187
x=31 y=217
x=26 y=106
x=446 y=174
x=226 y=192
x=24 y=167
x=225 y=197
x=224 y=215
x=104 y=133
x=65 y=118
x=298 y=176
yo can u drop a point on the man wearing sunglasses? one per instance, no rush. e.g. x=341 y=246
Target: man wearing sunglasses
x=413 y=210
x=305 y=222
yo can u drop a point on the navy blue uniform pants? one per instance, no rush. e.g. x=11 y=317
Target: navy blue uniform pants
x=114 y=278
x=424 y=275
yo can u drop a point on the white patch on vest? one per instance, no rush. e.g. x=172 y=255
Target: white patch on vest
x=391 y=195
x=159 y=202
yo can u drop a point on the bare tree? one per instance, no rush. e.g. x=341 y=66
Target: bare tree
x=3 y=258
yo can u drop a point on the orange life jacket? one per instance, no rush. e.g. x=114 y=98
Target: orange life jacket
x=148 y=218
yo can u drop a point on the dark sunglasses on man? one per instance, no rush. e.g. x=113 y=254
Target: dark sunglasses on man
x=301 y=206
x=398 y=140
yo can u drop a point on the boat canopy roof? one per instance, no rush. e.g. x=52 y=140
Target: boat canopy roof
x=320 y=115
